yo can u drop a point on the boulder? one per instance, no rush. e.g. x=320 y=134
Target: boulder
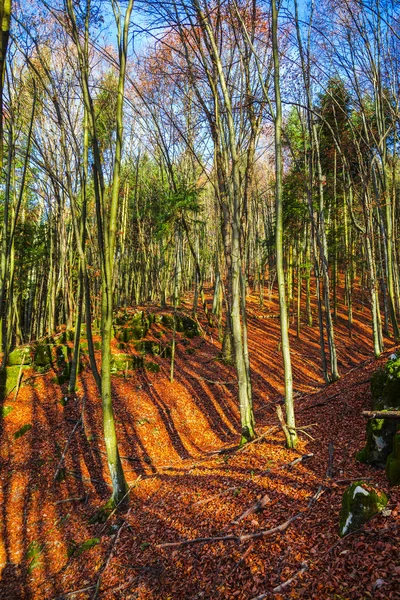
x=8 y=380
x=42 y=355
x=393 y=462
x=121 y=362
x=385 y=385
x=385 y=389
x=360 y=502
x=379 y=444
x=19 y=356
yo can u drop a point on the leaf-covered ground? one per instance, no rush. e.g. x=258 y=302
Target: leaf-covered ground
x=183 y=487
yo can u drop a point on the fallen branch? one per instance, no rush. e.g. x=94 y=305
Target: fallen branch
x=240 y=539
x=253 y=509
x=70 y=500
x=331 y=450
x=381 y=414
x=298 y=460
x=211 y=381
x=351 y=479
x=257 y=439
x=294 y=462
x=285 y=584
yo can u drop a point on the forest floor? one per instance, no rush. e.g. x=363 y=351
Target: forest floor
x=183 y=488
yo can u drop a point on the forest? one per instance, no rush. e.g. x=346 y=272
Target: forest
x=199 y=299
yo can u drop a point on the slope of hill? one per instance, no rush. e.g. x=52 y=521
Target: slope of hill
x=188 y=480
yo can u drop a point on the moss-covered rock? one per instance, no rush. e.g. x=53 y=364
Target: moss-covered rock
x=131 y=332
x=378 y=381
x=152 y=367
x=184 y=324
x=42 y=355
x=393 y=462
x=379 y=444
x=153 y=348
x=121 y=362
x=8 y=380
x=19 y=356
x=385 y=385
x=360 y=502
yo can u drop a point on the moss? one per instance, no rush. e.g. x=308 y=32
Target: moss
x=42 y=356
x=135 y=332
x=393 y=462
x=380 y=434
x=20 y=356
x=5 y=411
x=184 y=324
x=152 y=367
x=22 y=430
x=378 y=381
x=121 y=362
x=149 y=347
x=360 y=502
x=8 y=380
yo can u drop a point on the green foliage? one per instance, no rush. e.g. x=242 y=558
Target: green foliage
x=22 y=430
x=105 y=106
x=33 y=555
x=76 y=549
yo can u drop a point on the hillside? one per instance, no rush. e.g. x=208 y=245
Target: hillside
x=188 y=480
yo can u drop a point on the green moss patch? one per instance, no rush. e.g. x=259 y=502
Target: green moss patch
x=360 y=502
x=22 y=430
x=379 y=444
x=19 y=356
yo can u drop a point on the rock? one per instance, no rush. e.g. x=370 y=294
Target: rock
x=121 y=362
x=19 y=356
x=393 y=462
x=184 y=324
x=385 y=385
x=153 y=348
x=360 y=502
x=42 y=356
x=152 y=367
x=8 y=380
x=379 y=444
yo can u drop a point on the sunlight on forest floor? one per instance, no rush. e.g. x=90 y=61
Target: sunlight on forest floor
x=180 y=489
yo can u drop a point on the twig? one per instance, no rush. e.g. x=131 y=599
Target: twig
x=257 y=439
x=85 y=479
x=86 y=589
x=248 y=536
x=211 y=381
x=80 y=420
x=69 y=500
x=239 y=539
x=285 y=584
x=331 y=450
x=253 y=509
x=350 y=479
